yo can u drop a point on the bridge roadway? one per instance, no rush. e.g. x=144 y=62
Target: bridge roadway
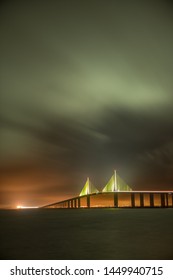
x=132 y=199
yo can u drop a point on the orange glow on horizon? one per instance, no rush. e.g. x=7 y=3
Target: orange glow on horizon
x=26 y=207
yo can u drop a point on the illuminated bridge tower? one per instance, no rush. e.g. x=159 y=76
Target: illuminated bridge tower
x=87 y=190
x=116 y=184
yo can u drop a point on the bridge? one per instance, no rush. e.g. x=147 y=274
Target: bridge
x=115 y=194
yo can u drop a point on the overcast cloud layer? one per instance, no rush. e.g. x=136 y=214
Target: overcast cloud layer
x=86 y=87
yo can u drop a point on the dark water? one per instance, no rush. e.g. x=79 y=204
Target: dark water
x=86 y=234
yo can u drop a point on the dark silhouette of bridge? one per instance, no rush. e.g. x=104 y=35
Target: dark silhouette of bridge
x=116 y=194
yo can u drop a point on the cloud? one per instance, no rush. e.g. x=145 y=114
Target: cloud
x=162 y=156
x=86 y=88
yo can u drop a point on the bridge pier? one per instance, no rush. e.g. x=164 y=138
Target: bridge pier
x=88 y=201
x=132 y=200
x=162 y=199
x=141 y=200
x=78 y=202
x=151 y=200
x=115 y=199
x=166 y=200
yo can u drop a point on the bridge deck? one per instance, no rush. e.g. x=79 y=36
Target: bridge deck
x=133 y=199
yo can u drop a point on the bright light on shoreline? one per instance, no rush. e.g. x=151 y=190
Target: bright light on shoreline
x=26 y=207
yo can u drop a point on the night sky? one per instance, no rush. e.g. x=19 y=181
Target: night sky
x=86 y=88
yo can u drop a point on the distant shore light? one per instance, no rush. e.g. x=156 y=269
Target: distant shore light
x=26 y=207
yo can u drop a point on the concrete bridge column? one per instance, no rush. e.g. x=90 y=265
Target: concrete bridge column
x=78 y=202
x=75 y=205
x=68 y=203
x=162 y=199
x=166 y=199
x=151 y=200
x=172 y=199
x=71 y=201
x=141 y=200
x=88 y=201
x=115 y=199
x=133 y=200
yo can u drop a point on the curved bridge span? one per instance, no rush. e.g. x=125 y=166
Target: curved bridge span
x=120 y=199
x=115 y=194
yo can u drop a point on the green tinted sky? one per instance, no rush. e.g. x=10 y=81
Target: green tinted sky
x=86 y=87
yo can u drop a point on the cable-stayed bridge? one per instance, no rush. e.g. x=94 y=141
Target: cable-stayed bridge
x=115 y=194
